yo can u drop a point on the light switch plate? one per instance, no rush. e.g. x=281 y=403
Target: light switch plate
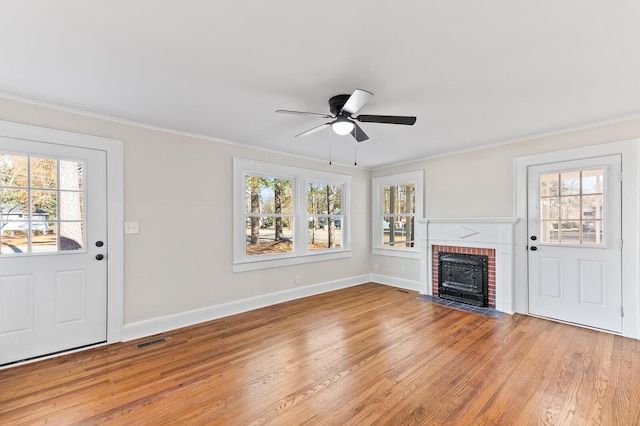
x=131 y=228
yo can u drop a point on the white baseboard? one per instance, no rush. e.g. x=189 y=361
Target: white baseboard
x=153 y=326
x=399 y=282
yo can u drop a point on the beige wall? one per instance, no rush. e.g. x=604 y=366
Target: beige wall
x=483 y=180
x=174 y=184
x=179 y=189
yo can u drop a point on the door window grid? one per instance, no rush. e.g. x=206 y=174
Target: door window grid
x=571 y=207
x=41 y=205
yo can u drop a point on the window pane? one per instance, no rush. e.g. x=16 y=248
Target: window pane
x=569 y=232
x=13 y=204
x=592 y=232
x=570 y=183
x=325 y=232
x=324 y=199
x=549 y=185
x=549 y=231
x=399 y=199
x=14 y=238
x=396 y=230
x=13 y=170
x=550 y=208
x=71 y=175
x=592 y=207
x=269 y=235
x=44 y=204
x=268 y=195
x=71 y=205
x=44 y=242
x=592 y=181
x=570 y=207
x=71 y=236
x=44 y=173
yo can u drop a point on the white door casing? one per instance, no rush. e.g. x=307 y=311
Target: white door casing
x=76 y=295
x=575 y=270
x=52 y=298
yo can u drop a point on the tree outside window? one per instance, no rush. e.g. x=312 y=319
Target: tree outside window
x=324 y=204
x=269 y=215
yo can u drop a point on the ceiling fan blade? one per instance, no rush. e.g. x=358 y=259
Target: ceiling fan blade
x=387 y=119
x=356 y=101
x=358 y=134
x=315 y=129
x=286 y=111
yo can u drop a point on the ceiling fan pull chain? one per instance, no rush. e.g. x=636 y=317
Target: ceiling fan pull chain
x=355 y=154
x=330 y=146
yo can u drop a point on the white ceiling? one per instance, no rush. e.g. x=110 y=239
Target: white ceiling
x=473 y=72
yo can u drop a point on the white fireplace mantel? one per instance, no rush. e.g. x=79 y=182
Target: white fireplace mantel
x=490 y=233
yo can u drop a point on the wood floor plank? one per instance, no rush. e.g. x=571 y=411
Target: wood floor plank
x=369 y=354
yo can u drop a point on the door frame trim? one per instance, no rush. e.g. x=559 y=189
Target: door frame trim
x=630 y=153
x=115 y=207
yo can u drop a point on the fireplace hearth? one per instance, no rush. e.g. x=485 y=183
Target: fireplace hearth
x=464 y=278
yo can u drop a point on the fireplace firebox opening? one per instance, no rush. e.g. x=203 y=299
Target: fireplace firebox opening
x=464 y=278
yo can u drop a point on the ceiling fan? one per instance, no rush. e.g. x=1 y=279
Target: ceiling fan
x=343 y=108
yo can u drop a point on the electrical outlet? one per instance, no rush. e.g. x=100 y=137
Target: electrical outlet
x=296 y=279
x=375 y=266
x=402 y=270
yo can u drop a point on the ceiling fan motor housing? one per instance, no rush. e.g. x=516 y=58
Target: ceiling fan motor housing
x=336 y=103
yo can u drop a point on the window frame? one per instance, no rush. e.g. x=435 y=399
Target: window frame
x=301 y=178
x=377 y=220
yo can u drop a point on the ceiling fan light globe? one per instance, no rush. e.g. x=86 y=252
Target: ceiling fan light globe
x=342 y=127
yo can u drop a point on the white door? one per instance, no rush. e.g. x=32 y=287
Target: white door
x=53 y=248
x=574 y=231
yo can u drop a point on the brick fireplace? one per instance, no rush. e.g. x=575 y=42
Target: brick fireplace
x=491 y=237
x=490 y=253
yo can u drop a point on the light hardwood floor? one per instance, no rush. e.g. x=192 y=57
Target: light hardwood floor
x=369 y=354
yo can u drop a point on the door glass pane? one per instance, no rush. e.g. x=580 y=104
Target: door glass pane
x=574 y=214
x=550 y=208
x=592 y=181
x=550 y=233
x=71 y=236
x=569 y=232
x=44 y=205
x=43 y=238
x=569 y=183
x=13 y=170
x=592 y=232
x=570 y=207
x=71 y=175
x=592 y=207
x=14 y=238
x=549 y=185
x=71 y=205
x=44 y=173
x=36 y=216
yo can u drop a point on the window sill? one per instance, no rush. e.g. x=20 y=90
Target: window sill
x=411 y=253
x=254 y=265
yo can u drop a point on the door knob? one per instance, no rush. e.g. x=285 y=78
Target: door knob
x=99 y=243
x=533 y=248
x=533 y=238
x=99 y=256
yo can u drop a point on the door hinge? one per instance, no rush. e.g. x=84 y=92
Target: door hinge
x=621 y=311
x=620 y=177
x=621 y=243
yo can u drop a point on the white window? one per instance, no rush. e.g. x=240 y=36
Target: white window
x=397 y=202
x=287 y=215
